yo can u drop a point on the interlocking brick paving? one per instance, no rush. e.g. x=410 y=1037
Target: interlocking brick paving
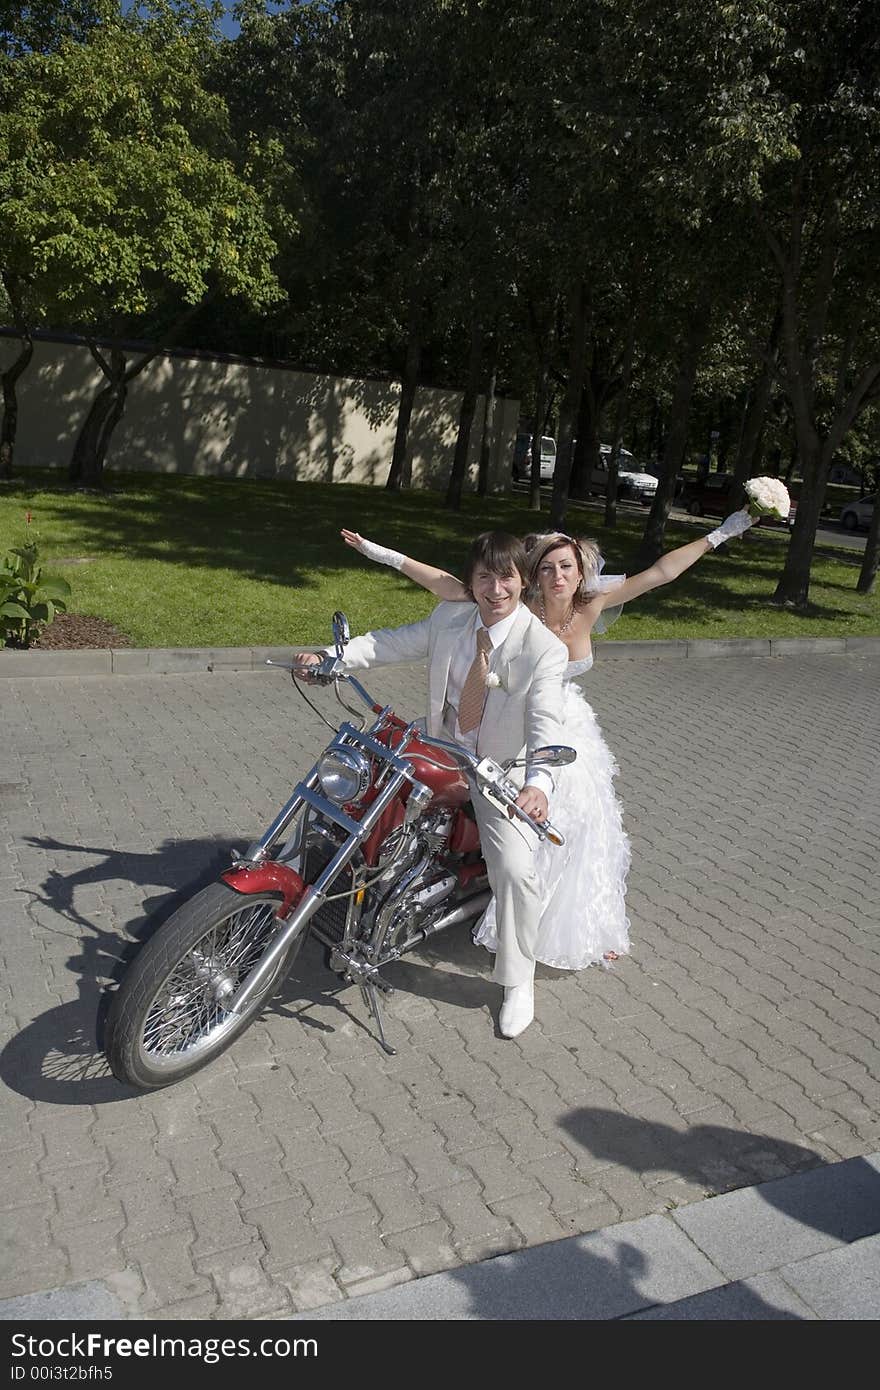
x=738 y=1042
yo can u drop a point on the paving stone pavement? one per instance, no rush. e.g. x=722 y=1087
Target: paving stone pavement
x=736 y=1044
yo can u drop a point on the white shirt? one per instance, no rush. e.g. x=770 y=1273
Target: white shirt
x=462 y=660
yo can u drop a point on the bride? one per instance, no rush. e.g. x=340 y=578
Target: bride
x=584 y=919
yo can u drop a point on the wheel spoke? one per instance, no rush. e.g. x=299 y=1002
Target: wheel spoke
x=187 y=1012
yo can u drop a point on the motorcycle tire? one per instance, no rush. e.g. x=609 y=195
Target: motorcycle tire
x=167 y=1020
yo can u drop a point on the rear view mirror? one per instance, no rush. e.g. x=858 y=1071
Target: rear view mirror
x=553 y=755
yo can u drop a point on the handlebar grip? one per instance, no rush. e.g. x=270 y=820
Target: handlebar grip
x=550 y=833
x=545 y=830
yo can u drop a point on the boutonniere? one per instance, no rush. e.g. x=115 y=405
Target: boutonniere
x=494 y=682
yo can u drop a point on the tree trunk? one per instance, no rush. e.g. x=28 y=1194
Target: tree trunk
x=578 y=316
x=90 y=450
x=621 y=414
x=466 y=420
x=400 y=473
x=114 y=415
x=538 y=430
x=10 y=406
x=85 y=468
x=655 y=430
x=868 y=572
x=653 y=540
x=756 y=410
x=487 y=443
x=584 y=456
x=793 y=588
x=816 y=448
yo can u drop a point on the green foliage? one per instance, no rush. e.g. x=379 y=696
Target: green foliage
x=428 y=164
x=29 y=599
x=40 y=27
x=121 y=194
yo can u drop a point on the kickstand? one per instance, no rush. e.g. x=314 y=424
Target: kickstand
x=371 y=999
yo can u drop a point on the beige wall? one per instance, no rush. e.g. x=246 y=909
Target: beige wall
x=194 y=415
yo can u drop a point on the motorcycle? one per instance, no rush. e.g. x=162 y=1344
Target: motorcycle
x=376 y=850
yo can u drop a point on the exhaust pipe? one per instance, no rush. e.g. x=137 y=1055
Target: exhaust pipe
x=465 y=912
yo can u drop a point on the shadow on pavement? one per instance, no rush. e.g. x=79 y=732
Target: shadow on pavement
x=58 y=1058
x=841 y=1199
x=599 y=1277
x=713 y=1157
x=566 y=1281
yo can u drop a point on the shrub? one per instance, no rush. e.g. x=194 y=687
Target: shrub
x=29 y=599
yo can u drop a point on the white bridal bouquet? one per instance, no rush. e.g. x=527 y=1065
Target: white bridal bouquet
x=768 y=497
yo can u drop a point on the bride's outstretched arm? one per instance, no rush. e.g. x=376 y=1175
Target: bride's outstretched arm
x=438 y=582
x=675 y=562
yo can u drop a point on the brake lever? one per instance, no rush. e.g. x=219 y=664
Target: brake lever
x=506 y=801
x=311 y=672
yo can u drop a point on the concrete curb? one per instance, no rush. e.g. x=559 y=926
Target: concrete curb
x=175 y=661
x=802 y=1248
x=137 y=661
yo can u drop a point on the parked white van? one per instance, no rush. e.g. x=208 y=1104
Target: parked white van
x=631 y=481
x=522 y=458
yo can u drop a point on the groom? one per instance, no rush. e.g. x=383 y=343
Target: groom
x=514 y=712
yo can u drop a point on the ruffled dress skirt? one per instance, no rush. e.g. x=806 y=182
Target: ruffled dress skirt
x=583 y=882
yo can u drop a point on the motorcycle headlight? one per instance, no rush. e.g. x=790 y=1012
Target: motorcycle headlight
x=344 y=775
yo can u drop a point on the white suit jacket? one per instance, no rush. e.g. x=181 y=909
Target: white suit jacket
x=522 y=713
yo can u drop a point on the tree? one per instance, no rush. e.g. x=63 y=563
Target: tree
x=11 y=374
x=795 y=140
x=124 y=202
x=32 y=29
x=42 y=27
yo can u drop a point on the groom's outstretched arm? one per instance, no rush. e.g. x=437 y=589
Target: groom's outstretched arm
x=390 y=645
x=387 y=646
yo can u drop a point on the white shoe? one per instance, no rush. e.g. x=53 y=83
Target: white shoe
x=518 y=1009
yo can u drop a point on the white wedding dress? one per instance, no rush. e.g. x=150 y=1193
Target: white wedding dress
x=582 y=883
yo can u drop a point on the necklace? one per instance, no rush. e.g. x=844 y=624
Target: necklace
x=566 y=623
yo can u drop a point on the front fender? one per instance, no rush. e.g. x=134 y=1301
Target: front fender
x=268 y=878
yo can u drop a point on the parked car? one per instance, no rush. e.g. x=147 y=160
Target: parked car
x=632 y=482
x=859 y=512
x=719 y=494
x=843 y=473
x=655 y=468
x=522 y=458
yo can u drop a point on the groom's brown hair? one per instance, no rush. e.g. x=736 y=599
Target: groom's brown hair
x=499 y=553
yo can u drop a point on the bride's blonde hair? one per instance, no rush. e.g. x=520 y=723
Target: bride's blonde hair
x=588 y=559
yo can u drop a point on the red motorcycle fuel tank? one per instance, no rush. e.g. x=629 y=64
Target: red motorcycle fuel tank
x=432 y=766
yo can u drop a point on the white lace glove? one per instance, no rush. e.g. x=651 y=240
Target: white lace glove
x=733 y=526
x=377 y=553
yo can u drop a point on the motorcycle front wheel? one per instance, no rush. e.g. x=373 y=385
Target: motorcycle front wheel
x=167 y=1019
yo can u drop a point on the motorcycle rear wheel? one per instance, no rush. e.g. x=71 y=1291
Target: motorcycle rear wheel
x=167 y=1018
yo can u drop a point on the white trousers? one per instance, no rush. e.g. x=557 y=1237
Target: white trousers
x=509 y=853
x=510 y=860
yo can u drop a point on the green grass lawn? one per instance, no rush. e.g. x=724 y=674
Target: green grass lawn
x=178 y=561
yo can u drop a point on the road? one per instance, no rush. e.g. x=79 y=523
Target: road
x=736 y=1043
x=829 y=533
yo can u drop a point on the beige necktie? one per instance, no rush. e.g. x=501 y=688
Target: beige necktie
x=473 y=692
